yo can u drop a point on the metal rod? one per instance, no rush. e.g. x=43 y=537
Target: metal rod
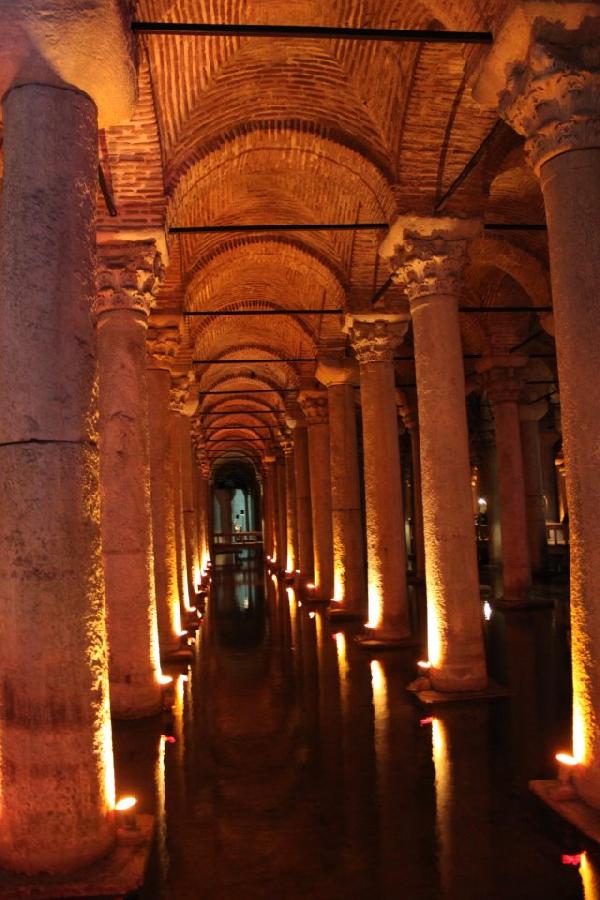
x=543 y=397
x=306 y=226
x=232 y=362
x=514 y=226
x=251 y=391
x=108 y=200
x=319 y=32
x=381 y=291
x=504 y=309
x=264 y=312
x=269 y=411
x=469 y=167
x=532 y=337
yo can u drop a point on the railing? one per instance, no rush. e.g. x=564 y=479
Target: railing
x=237 y=537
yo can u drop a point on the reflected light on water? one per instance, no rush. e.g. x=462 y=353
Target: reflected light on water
x=590 y=878
x=341 y=649
x=443 y=796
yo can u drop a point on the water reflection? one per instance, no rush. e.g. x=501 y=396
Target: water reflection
x=294 y=765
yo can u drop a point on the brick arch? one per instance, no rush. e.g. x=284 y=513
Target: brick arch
x=523 y=267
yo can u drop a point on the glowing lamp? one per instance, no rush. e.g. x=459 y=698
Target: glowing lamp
x=297 y=571
x=311 y=615
x=299 y=604
x=487 y=611
x=165 y=679
x=424 y=664
x=310 y=587
x=566 y=766
x=185 y=677
x=170 y=739
x=428 y=720
x=571 y=859
x=125 y=813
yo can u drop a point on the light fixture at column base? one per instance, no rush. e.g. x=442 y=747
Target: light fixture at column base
x=569 y=806
x=115 y=875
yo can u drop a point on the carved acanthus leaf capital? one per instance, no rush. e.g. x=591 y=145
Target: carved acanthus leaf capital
x=543 y=72
x=427 y=255
x=315 y=407
x=161 y=344
x=178 y=394
x=128 y=277
x=502 y=379
x=374 y=337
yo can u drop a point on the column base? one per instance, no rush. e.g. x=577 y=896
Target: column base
x=528 y=602
x=563 y=799
x=337 y=613
x=428 y=696
x=386 y=639
x=116 y=875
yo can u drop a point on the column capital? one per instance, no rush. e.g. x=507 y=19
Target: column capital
x=331 y=370
x=161 y=344
x=405 y=411
x=533 y=411
x=315 y=407
x=178 y=394
x=502 y=378
x=128 y=277
x=427 y=253
x=287 y=445
x=543 y=74
x=375 y=337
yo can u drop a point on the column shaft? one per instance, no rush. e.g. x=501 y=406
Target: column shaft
x=54 y=715
x=282 y=559
x=190 y=519
x=177 y=487
x=134 y=656
x=348 y=557
x=163 y=510
x=305 y=537
x=291 y=507
x=415 y=448
x=534 y=492
x=453 y=605
x=315 y=409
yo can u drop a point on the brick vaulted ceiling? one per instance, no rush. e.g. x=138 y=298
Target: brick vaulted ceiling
x=238 y=130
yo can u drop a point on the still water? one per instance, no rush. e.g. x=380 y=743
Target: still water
x=295 y=765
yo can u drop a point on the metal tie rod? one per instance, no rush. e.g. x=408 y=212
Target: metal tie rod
x=330 y=226
x=316 y=32
x=264 y=312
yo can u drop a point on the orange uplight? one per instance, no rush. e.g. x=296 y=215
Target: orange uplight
x=125 y=803
x=566 y=759
x=183 y=633
x=424 y=664
x=310 y=587
x=165 y=679
x=297 y=571
x=311 y=615
x=125 y=815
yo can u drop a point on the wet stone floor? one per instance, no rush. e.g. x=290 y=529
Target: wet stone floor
x=296 y=765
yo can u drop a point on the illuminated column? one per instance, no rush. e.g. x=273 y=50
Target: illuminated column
x=281 y=511
x=56 y=775
x=314 y=406
x=291 y=505
x=375 y=338
x=162 y=343
x=271 y=507
x=489 y=489
x=547 y=87
x=190 y=519
x=428 y=255
x=305 y=535
x=410 y=421
x=548 y=441
x=530 y=415
x=127 y=281
x=503 y=385
x=180 y=547
x=205 y=508
x=349 y=589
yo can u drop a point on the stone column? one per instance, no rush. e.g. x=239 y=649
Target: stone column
x=503 y=385
x=375 y=338
x=489 y=485
x=177 y=400
x=411 y=423
x=282 y=558
x=56 y=775
x=162 y=343
x=547 y=87
x=305 y=535
x=548 y=440
x=314 y=406
x=428 y=255
x=190 y=520
x=291 y=505
x=349 y=589
x=204 y=502
x=127 y=281
x=271 y=508
x=535 y=508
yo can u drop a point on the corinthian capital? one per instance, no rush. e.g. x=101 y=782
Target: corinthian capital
x=315 y=407
x=128 y=277
x=427 y=254
x=543 y=74
x=162 y=344
x=375 y=337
